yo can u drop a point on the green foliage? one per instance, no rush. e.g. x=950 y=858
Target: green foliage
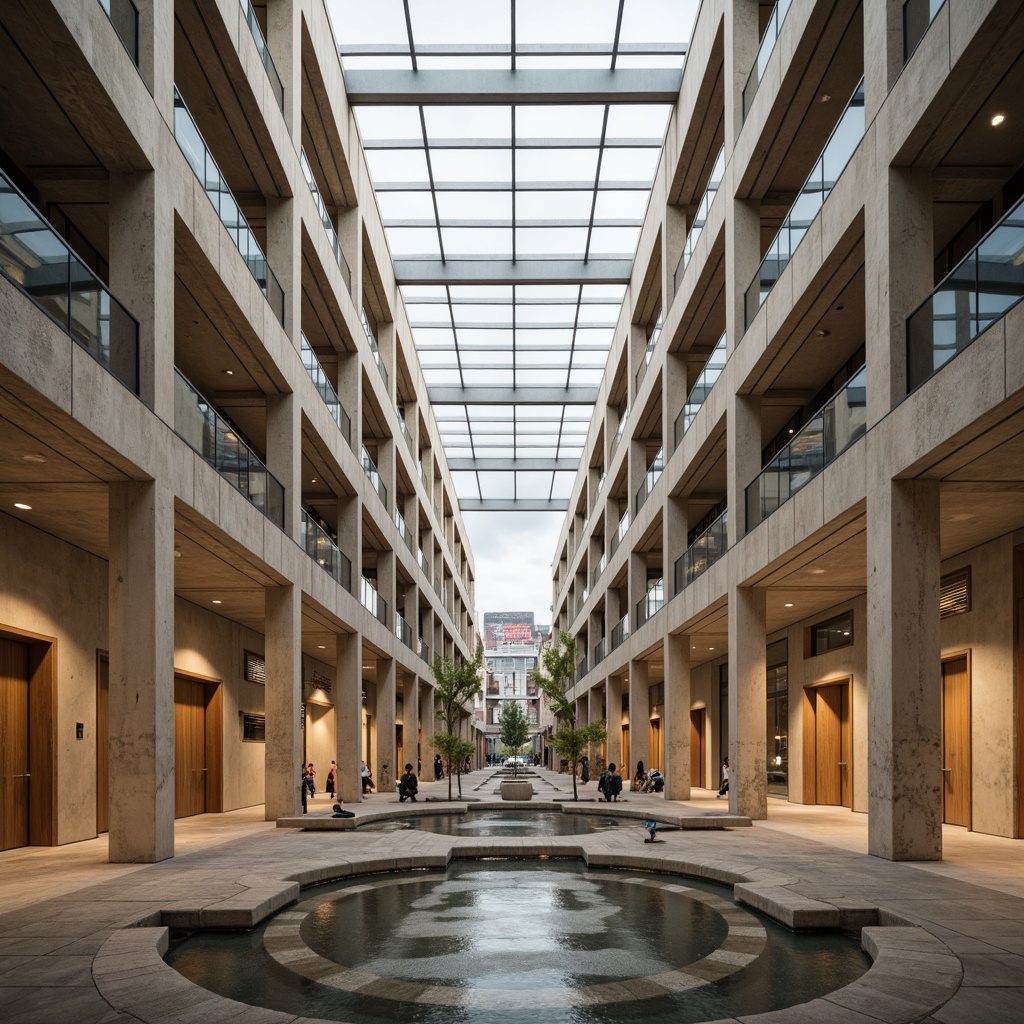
x=515 y=729
x=457 y=684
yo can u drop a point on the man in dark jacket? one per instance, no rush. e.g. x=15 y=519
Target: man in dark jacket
x=408 y=785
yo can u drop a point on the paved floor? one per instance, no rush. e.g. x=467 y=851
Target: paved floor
x=58 y=906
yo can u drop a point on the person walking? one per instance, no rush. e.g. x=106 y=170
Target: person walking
x=724 y=791
x=332 y=779
x=408 y=785
x=584 y=769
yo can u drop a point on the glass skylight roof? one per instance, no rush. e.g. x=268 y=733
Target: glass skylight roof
x=513 y=184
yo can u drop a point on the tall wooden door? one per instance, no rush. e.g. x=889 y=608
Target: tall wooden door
x=698 y=769
x=15 y=775
x=102 y=743
x=189 y=747
x=832 y=741
x=956 y=742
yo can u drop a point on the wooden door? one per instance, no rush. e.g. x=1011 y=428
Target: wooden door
x=698 y=770
x=102 y=743
x=832 y=743
x=956 y=742
x=14 y=745
x=189 y=747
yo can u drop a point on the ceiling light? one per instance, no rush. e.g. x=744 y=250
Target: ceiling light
x=997 y=120
x=33 y=457
x=22 y=505
x=215 y=601
x=789 y=604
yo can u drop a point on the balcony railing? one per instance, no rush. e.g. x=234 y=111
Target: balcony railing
x=652 y=477
x=403 y=531
x=124 y=16
x=198 y=424
x=403 y=631
x=652 y=343
x=264 y=52
x=326 y=389
x=707 y=549
x=764 y=51
x=841 y=146
x=917 y=17
x=620 y=533
x=700 y=218
x=325 y=219
x=423 y=649
x=984 y=286
x=322 y=549
x=36 y=260
x=370 y=469
x=374 y=348
x=651 y=603
x=620 y=632
x=599 y=649
x=699 y=392
x=372 y=601
x=598 y=569
x=840 y=422
x=621 y=429
x=205 y=168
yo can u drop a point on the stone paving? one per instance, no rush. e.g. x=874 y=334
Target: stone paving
x=82 y=941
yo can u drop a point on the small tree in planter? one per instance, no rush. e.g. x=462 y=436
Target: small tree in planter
x=515 y=731
x=457 y=685
x=569 y=740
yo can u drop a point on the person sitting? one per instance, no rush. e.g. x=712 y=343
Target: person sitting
x=408 y=785
x=339 y=810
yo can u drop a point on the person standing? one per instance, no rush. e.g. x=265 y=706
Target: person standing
x=408 y=785
x=724 y=791
x=332 y=779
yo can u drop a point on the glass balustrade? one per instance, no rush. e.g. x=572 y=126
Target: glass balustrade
x=37 y=261
x=599 y=648
x=618 y=433
x=652 y=343
x=707 y=549
x=372 y=601
x=319 y=545
x=325 y=219
x=263 y=50
x=764 y=51
x=403 y=531
x=370 y=469
x=200 y=426
x=326 y=389
x=699 y=392
x=403 y=630
x=981 y=288
x=651 y=603
x=620 y=632
x=917 y=17
x=374 y=348
x=620 y=533
x=124 y=16
x=700 y=218
x=652 y=477
x=598 y=569
x=828 y=433
x=841 y=146
x=205 y=168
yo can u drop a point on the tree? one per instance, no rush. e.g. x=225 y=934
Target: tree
x=569 y=740
x=515 y=731
x=457 y=685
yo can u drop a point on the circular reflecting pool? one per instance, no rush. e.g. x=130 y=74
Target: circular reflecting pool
x=520 y=941
x=504 y=823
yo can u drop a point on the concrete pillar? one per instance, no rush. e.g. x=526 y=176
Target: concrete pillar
x=743 y=459
x=676 y=721
x=386 y=752
x=141 y=640
x=348 y=706
x=284 y=455
x=410 y=721
x=639 y=717
x=283 y=750
x=748 y=781
x=904 y=670
x=142 y=277
x=613 y=706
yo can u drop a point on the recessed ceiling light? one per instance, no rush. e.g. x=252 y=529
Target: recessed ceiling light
x=997 y=120
x=215 y=601
x=789 y=604
x=22 y=505
x=33 y=457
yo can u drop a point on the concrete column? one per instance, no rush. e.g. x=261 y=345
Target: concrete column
x=677 y=717
x=410 y=721
x=748 y=781
x=742 y=38
x=904 y=670
x=284 y=455
x=899 y=254
x=386 y=751
x=613 y=707
x=283 y=751
x=141 y=640
x=348 y=706
x=284 y=232
x=284 y=25
x=743 y=459
x=639 y=717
